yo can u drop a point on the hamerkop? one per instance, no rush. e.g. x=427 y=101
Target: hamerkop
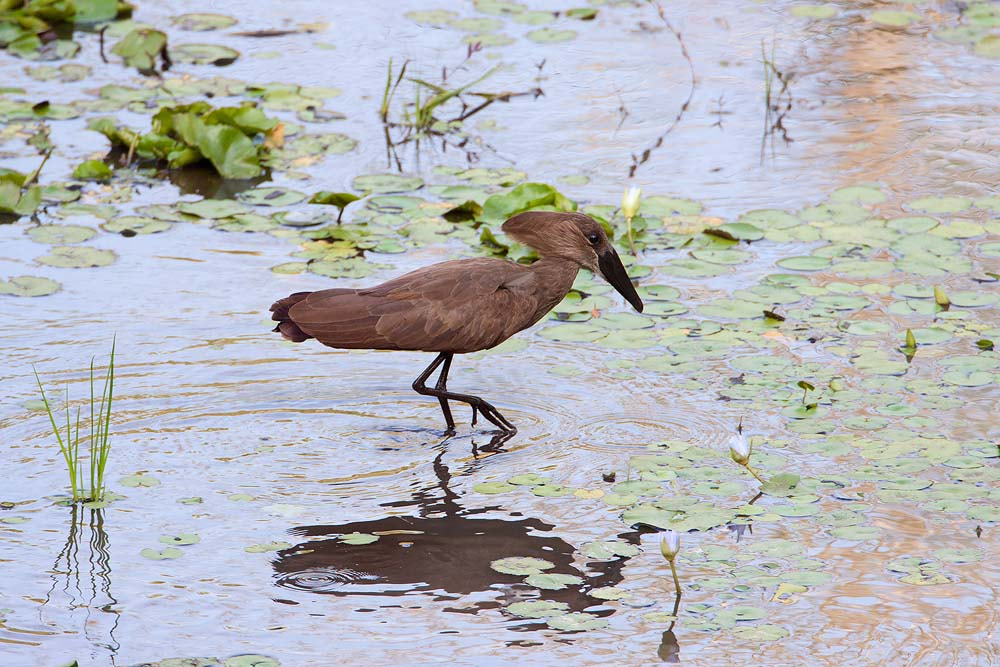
x=461 y=306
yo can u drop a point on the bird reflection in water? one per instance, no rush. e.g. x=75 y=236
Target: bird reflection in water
x=444 y=551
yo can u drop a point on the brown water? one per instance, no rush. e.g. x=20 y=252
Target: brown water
x=299 y=444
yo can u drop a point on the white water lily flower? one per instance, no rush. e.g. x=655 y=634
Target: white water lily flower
x=739 y=449
x=631 y=201
x=670 y=545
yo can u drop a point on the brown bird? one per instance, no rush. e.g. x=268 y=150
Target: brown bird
x=461 y=306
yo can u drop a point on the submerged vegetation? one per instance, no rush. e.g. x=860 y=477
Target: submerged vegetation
x=98 y=439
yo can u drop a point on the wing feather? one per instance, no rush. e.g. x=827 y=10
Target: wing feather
x=458 y=306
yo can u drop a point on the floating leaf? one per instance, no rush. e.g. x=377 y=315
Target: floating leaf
x=204 y=54
x=168 y=553
x=266 y=547
x=576 y=622
x=358 y=538
x=92 y=170
x=521 y=565
x=552 y=581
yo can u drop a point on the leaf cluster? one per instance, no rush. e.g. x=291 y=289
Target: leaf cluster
x=231 y=139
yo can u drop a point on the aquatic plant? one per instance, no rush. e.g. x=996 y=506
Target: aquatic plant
x=420 y=117
x=338 y=199
x=30 y=28
x=225 y=137
x=141 y=47
x=19 y=194
x=740 y=451
x=669 y=546
x=631 y=200
x=99 y=445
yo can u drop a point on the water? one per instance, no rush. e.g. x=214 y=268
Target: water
x=296 y=444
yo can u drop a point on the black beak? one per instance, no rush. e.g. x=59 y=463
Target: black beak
x=613 y=271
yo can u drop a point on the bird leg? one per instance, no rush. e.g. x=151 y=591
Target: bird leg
x=440 y=391
x=442 y=385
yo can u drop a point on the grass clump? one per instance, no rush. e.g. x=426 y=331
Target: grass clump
x=98 y=442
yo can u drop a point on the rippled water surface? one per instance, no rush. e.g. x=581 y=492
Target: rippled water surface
x=274 y=454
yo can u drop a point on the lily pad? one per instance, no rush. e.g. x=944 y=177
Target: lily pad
x=61 y=234
x=551 y=35
x=576 y=622
x=552 y=581
x=168 y=553
x=521 y=565
x=200 y=22
x=271 y=197
x=29 y=286
x=203 y=54
x=387 y=183
x=537 y=608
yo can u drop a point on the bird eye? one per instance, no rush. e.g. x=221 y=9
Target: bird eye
x=594 y=239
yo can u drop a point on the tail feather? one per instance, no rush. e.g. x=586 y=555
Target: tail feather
x=286 y=327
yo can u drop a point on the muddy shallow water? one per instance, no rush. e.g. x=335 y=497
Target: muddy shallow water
x=270 y=452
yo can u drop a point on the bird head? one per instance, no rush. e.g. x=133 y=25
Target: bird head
x=578 y=238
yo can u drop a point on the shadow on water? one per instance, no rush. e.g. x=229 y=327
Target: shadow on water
x=444 y=551
x=81 y=580
x=199 y=179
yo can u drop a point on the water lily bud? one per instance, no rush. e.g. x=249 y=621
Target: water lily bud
x=739 y=449
x=941 y=298
x=631 y=201
x=670 y=545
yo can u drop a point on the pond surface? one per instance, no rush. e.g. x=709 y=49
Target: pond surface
x=301 y=504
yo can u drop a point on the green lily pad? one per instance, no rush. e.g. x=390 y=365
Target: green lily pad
x=203 y=54
x=765 y=632
x=814 y=11
x=266 y=547
x=92 y=170
x=61 y=234
x=537 y=608
x=521 y=565
x=181 y=540
x=358 y=539
x=494 y=487
x=576 y=622
x=137 y=481
x=213 y=209
x=609 y=550
x=387 y=183
x=130 y=225
x=432 y=16
x=804 y=263
x=552 y=582
x=168 y=553
x=246 y=660
x=894 y=18
x=988 y=46
x=271 y=197
x=551 y=35
x=77 y=257
x=29 y=286
x=200 y=22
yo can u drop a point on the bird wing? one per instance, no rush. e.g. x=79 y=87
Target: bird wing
x=458 y=306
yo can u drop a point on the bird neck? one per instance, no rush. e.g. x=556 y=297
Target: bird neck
x=555 y=276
